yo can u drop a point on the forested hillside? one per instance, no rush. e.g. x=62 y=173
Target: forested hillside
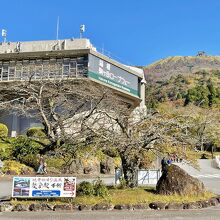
x=189 y=87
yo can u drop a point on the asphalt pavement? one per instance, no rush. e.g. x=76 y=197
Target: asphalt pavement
x=207 y=173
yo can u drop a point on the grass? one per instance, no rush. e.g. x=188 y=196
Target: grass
x=125 y=196
x=138 y=195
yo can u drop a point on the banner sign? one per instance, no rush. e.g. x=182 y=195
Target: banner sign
x=112 y=75
x=44 y=187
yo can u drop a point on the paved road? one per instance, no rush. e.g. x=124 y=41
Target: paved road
x=211 y=213
x=209 y=175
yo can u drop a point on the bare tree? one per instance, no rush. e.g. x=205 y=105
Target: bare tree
x=78 y=112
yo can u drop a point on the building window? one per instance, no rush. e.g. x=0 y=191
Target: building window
x=44 y=69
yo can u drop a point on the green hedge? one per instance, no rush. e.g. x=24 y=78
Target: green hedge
x=36 y=132
x=5 y=151
x=97 y=188
x=3 y=130
x=13 y=167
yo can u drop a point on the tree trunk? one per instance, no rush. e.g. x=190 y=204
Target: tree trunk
x=130 y=168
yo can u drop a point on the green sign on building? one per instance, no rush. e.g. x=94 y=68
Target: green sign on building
x=112 y=75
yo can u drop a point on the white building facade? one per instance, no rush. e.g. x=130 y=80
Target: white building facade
x=65 y=59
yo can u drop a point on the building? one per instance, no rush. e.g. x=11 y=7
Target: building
x=69 y=58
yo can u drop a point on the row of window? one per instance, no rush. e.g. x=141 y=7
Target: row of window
x=41 y=69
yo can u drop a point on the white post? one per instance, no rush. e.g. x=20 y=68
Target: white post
x=58 y=23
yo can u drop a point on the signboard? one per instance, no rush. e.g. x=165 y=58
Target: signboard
x=44 y=187
x=110 y=74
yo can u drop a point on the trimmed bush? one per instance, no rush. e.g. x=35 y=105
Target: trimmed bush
x=26 y=150
x=98 y=188
x=13 y=167
x=36 y=132
x=31 y=160
x=23 y=146
x=3 y=130
x=5 y=151
x=85 y=188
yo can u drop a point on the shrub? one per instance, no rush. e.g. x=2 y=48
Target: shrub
x=5 y=151
x=3 y=130
x=23 y=146
x=31 y=160
x=15 y=168
x=36 y=132
x=100 y=189
x=26 y=150
x=123 y=183
x=85 y=188
x=55 y=162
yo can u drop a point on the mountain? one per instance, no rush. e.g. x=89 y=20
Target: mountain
x=191 y=79
x=181 y=65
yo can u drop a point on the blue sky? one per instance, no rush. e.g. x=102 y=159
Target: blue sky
x=136 y=32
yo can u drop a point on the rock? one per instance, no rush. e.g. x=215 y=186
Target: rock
x=175 y=206
x=63 y=207
x=218 y=198
x=35 y=207
x=193 y=205
x=46 y=207
x=158 y=205
x=41 y=207
x=87 y=170
x=85 y=207
x=106 y=207
x=176 y=181
x=75 y=167
x=6 y=207
x=20 y=208
x=124 y=207
x=11 y=172
x=213 y=201
x=141 y=206
x=204 y=204
x=91 y=166
x=107 y=166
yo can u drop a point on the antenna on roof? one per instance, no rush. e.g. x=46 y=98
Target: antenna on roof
x=58 y=23
x=82 y=30
x=4 y=34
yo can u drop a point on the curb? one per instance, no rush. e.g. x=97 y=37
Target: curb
x=8 y=207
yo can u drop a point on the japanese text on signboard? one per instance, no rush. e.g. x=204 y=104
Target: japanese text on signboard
x=44 y=187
